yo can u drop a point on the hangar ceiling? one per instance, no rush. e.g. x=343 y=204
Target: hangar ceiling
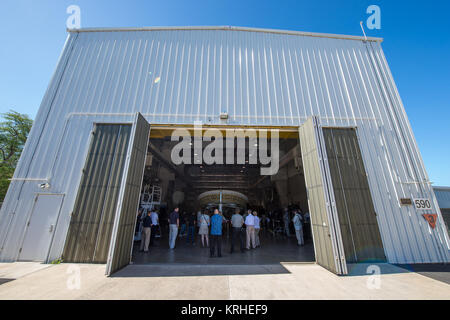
x=197 y=178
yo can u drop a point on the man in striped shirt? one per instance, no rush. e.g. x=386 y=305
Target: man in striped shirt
x=250 y=226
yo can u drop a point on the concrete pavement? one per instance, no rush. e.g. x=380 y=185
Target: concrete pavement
x=283 y=281
x=18 y=270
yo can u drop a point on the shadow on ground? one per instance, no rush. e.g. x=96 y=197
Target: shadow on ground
x=188 y=270
x=439 y=272
x=3 y=280
x=194 y=260
x=273 y=251
x=436 y=271
x=371 y=268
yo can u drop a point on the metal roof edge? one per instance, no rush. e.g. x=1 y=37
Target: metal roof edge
x=230 y=28
x=441 y=188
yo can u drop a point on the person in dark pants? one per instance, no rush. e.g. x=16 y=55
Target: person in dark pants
x=155 y=223
x=192 y=219
x=174 y=223
x=286 y=219
x=183 y=217
x=307 y=225
x=216 y=233
x=138 y=220
x=236 y=223
x=146 y=233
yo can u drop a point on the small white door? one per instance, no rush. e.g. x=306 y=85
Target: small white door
x=41 y=227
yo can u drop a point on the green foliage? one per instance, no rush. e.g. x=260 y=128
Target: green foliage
x=6 y=173
x=57 y=261
x=14 y=130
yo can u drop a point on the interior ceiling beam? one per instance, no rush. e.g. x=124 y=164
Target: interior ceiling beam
x=220 y=183
x=218 y=187
x=283 y=161
x=160 y=157
x=222 y=176
x=197 y=176
x=159 y=131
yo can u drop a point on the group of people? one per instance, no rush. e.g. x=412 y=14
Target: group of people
x=210 y=230
x=245 y=229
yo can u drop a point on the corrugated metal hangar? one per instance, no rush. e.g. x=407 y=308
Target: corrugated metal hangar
x=347 y=151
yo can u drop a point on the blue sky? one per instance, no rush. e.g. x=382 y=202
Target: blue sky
x=416 y=44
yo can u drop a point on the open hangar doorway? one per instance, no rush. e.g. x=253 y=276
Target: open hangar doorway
x=229 y=186
x=321 y=171
x=324 y=174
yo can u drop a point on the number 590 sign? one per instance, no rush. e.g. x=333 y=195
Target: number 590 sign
x=422 y=203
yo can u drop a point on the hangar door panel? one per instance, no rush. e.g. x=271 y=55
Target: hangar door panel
x=127 y=209
x=326 y=242
x=360 y=233
x=92 y=218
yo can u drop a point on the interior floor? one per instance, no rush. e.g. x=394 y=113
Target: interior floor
x=272 y=251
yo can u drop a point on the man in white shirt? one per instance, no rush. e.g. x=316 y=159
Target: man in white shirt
x=236 y=223
x=298 y=225
x=199 y=216
x=250 y=226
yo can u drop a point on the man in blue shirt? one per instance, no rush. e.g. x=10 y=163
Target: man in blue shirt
x=216 y=233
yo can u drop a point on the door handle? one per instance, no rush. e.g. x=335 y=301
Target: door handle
x=51 y=228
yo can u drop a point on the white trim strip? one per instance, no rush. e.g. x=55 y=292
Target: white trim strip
x=230 y=28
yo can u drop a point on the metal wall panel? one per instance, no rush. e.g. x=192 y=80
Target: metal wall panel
x=442 y=196
x=94 y=212
x=260 y=78
x=443 y=199
x=127 y=210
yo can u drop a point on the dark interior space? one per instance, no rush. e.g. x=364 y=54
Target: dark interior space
x=197 y=186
